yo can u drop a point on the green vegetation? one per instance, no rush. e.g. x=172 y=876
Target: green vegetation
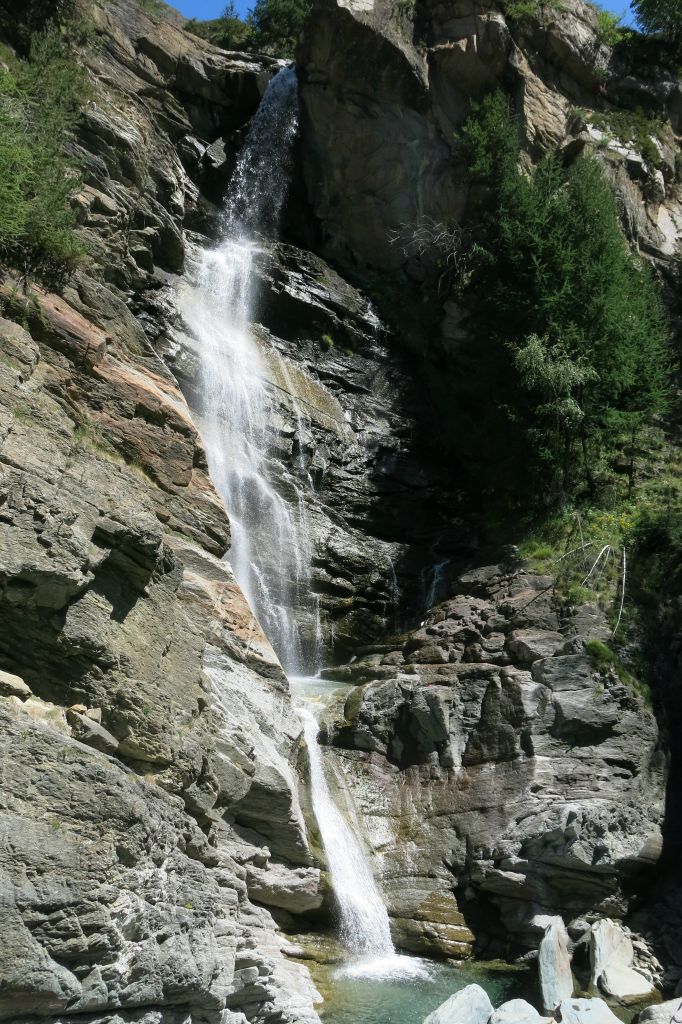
x=273 y=26
x=40 y=101
x=517 y=9
x=631 y=127
x=572 y=351
x=608 y=27
x=660 y=17
x=229 y=31
x=277 y=24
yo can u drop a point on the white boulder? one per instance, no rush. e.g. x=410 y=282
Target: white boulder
x=586 y=1011
x=469 y=1006
x=517 y=1011
x=554 y=964
x=612 y=956
x=663 y=1013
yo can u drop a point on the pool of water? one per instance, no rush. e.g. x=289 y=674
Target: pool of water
x=408 y=999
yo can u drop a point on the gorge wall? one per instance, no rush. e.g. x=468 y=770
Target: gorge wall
x=148 y=734
x=153 y=772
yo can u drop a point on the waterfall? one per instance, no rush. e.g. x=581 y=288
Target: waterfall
x=272 y=548
x=364 y=920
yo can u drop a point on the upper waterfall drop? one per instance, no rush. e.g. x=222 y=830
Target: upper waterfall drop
x=270 y=551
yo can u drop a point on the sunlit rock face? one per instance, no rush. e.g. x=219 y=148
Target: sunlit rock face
x=491 y=755
x=382 y=150
x=147 y=729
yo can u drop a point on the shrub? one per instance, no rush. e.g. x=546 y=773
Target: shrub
x=602 y=654
x=39 y=107
x=229 y=31
x=608 y=27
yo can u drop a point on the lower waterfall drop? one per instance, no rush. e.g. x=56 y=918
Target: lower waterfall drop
x=364 y=921
x=272 y=549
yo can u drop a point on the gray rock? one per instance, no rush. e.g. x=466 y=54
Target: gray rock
x=469 y=1006
x=529 y=645
x=663 y=1013
x=585 y=1011
x=612 y=957
x=499 y=777
x=517 y=1011
x=93 y=734
x=554 y=965
x=13 y=686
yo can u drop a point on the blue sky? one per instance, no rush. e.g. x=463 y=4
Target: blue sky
x=213 y=8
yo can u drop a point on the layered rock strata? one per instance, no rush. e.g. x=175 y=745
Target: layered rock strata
x=150 y=808
x=498 y=765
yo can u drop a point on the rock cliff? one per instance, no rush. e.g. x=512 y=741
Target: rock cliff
x=148 y=755
x=494 y=757
x=153 y=831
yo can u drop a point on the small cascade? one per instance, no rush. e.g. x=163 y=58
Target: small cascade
x=432 y=587
x=365 y=928
x=364 y=921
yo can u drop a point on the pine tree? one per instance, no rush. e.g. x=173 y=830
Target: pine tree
x=572 y=338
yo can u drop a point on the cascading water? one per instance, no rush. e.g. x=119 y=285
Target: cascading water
x=364 y=922
x=270 y=550
x=271 y=543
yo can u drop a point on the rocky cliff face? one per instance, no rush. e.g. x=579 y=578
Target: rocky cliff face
x=147 y=729
x=151 y=820
x=494 y=757
x=381 y=150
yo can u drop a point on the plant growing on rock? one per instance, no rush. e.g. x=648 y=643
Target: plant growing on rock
x=40 y=100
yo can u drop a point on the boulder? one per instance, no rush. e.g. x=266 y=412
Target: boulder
x=13 y=686
x=517 y=1011
x=586 y=1011
x=469 y=1006
x=528 y=645
x=294 y=889
x=554 y=963
x=91 y=733
x=663 y=1013
x=612 y=956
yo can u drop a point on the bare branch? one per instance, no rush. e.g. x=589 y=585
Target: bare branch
x=605 y=550
x=622 y=595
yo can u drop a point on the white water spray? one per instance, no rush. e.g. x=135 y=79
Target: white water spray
x=364 y=921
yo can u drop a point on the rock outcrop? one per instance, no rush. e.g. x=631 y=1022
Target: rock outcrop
x=381 y=150
x=492 y=757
